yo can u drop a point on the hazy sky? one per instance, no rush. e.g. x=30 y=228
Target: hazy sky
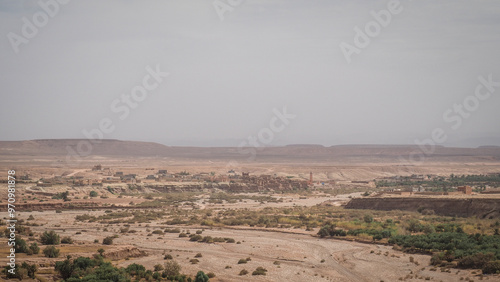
x=227 y=76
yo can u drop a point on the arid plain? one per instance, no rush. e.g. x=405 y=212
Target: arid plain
x=147 y=195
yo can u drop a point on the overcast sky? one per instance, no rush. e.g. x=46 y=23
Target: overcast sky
x=229 y=75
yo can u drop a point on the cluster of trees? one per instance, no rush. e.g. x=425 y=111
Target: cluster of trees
x=443 y=183
x=448 y=242
x=86 y=269
x=331 y=230
x=484 y=261
x=96 y=269
x=460 y=243
x=22 y=247
x=49 y=238
x=208 y=239
x=376 y=234
x=471 y=251
x=22 y=272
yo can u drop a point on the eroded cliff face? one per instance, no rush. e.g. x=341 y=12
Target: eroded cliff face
x=479 y=207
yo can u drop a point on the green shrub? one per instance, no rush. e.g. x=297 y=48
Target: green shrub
x=243 y=272
x=67 y=240
x=51 y=252
x=368 y=218
x=50 y=238
x=196 y=238
x=172 y=268
x=201 y=277
x=65 y=268
x=259 y=271
x=134 y=269
x=207 y=239
x=20 y=245
x=172 y=230
x=22 y=272
x=492 y=267
x=478 y=260
x=107 y=241
x=34 y=248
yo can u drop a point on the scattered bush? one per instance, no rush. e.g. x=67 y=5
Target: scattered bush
x=22 y=272
x=134 y=269
x=201 y=277
x=196 y=238
x=172 y=230
x=368 y=218
x=331 y=230
x=67 y=240
x=107 y=241
x=51 y=252
x=34 y=248
x=20 y=245
x=259 y=271
x=50 y=238
x=172 y=268
x=158 y=267
x=492 y=267
x=478 y=260
x=211 y=275
x=243 y=272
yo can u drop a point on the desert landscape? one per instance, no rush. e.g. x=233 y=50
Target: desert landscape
x=295 y=213
x=249 y=140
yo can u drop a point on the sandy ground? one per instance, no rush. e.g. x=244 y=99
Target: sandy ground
x=301 y=256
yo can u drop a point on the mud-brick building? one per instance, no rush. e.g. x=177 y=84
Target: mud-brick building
x=467 y=190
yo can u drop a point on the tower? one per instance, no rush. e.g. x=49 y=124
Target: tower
x=310 y=178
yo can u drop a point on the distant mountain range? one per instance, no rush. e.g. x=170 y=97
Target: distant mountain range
x=306 y=152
